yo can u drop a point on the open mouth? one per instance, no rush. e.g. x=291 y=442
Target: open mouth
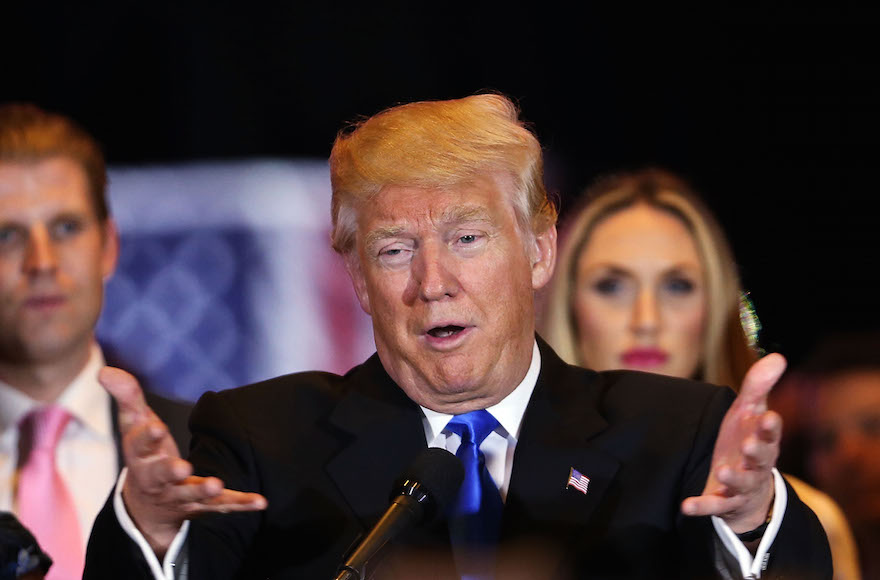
x=445 y=331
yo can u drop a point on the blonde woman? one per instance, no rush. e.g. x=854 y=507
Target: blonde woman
x=646 y=280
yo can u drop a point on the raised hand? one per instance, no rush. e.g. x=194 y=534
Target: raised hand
x=160 y=492
x=740 y=484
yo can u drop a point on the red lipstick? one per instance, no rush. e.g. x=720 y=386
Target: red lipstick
x=644 y=358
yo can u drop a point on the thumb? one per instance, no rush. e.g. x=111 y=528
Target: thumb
x=760 y=378
x=124 y=388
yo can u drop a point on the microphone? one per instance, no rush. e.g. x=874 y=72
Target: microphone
x=424 y=490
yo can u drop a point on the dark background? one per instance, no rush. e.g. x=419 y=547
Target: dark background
x=772 y=110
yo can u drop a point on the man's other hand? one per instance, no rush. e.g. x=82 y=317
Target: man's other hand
x=160 y=492
x=740 y=484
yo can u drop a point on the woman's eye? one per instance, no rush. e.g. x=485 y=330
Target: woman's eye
x=679 y=285
x=608 y=286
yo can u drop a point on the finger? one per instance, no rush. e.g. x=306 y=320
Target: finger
x=157 y=475
x=711 y=505
x=258 y=503
x=164 y=473
x=207 y=494
x=193 y=489
x=145 y=438
x=125 y=389
x=761 y=449
x=758 y=455
x=230 y=500
x=760 y=444
x=171 y=495
x=741 y=481
x=770 y=427
x=759 y=380
x=235 y=501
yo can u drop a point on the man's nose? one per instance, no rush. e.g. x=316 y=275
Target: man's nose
x=41 y=254
x=435 y=273
x=645 y=313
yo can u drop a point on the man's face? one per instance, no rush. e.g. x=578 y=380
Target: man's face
x=54 y=257
x=845 y=457
x=448 y=278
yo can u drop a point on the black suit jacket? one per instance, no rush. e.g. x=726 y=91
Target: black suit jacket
x=325 y=450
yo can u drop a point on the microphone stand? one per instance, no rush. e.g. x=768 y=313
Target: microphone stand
x=403 y=511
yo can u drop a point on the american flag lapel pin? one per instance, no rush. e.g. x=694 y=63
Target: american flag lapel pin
x=578 y=480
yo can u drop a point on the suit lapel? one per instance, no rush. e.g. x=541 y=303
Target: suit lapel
x=386 y=434
x=561 y=419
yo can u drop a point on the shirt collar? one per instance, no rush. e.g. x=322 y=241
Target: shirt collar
x=14 y=405
x=84 y=399
x=509 y=411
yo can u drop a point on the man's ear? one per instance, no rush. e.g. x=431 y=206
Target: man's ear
x=109 y=248
x=543 y=257
x=353 y=266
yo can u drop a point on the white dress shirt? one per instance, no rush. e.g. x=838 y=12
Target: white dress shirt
x=86 y=457
x=499 y=446
x=498 y=449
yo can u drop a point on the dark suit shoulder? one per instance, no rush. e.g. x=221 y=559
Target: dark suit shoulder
x=307 y=398
x=623 y=392
x=624 y=395
x=313 y=385
x=299 y=396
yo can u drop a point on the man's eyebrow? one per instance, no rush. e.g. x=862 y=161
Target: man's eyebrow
x=382 y=233
x=74 y=214
x=467 y=213
x=452 y=215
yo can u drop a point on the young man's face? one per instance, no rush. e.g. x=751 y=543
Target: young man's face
x=448 y=278
x=54 y=257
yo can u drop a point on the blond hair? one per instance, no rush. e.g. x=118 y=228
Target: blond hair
x=727 y=353
x=437 y=144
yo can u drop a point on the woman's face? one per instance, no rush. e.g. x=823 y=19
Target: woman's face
x=640 y=299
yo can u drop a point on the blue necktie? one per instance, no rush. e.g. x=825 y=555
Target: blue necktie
x=476 y=518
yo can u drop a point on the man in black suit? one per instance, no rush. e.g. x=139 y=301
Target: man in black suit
x=58 y=244
x=441 y=215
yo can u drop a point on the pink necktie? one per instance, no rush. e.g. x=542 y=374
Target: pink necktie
x=45 y=505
